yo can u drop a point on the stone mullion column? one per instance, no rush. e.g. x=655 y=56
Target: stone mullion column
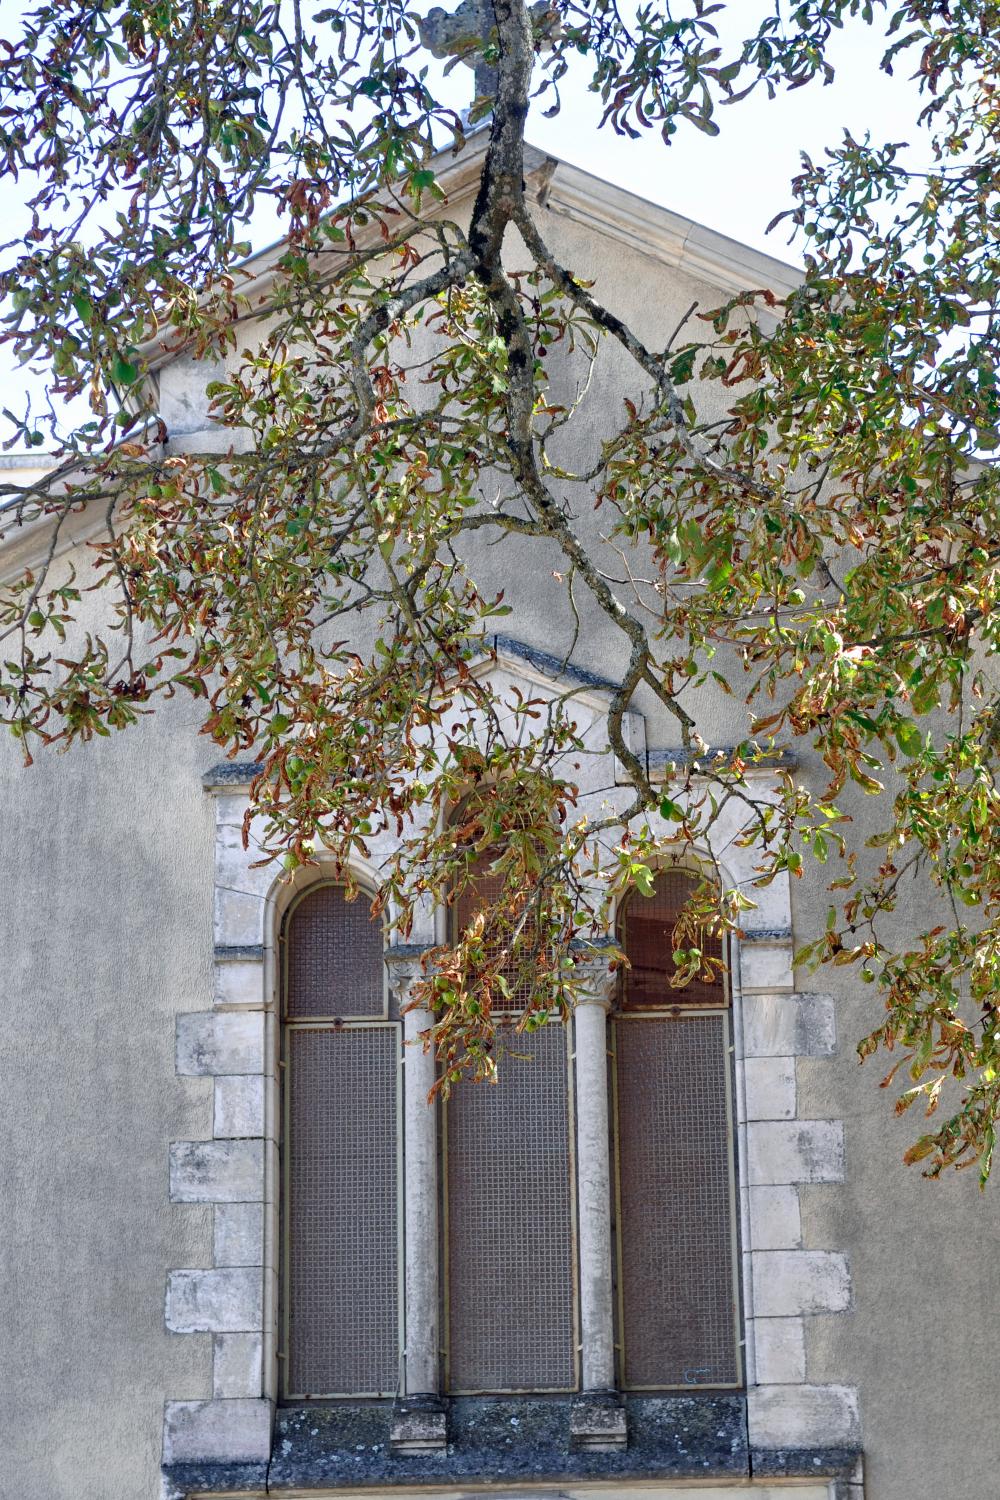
x=597 y=1420
x=419 y=1423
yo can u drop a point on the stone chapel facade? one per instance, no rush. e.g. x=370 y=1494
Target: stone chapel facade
x=674 y=1255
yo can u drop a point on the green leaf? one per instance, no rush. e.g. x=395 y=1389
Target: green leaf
x=123 y=372
x=908 y=737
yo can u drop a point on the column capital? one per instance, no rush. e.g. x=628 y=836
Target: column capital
x=404 y=963
x=593 y=967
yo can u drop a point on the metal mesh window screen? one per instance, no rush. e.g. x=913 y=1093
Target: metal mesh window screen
x=334 y=957
x=510 y=1288
x=342 y=1220
x=676 y=1217
x=484 y=888
x=647 y=926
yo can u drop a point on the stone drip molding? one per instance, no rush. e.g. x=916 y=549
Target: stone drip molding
x=235 y=1043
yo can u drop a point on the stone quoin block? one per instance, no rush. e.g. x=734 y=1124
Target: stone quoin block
x=230 y=809
x=238 y=981
x=217 y=1431
x=787 y=1283
x=769 y=1085
x=238 y=868
x=217 y=1171
x=772 y=911
x=779 y=1350
x=787 y=1151
x=803 y=1416
x=766 y=964
x=209 y=1042
x=238 y=1238
x=239 y=1106
x=799 y=1025
x=238 y=918
x=219 y=1301
x=237 y=1365
x=775 y=1218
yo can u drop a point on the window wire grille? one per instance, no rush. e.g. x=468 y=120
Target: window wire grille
x=342 y=1222
x=481 y=890
x=675 y=1183
x=510 y=1243
x=646 y=929
x=334 y=957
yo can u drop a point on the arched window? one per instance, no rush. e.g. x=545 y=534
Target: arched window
x=675 y=1207
x=341 y=1222
x=510 y=1280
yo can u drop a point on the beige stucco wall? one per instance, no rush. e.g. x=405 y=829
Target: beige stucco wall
x=106 y=934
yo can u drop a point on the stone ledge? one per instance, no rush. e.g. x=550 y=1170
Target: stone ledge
x=230 y=773
x=235 y=953
x=511 y=1440
x=672 y=1438
x=797 y=1463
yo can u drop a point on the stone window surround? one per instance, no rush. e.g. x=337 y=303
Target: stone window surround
x=236 y=1044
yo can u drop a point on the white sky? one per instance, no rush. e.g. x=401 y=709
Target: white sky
x=734 y=182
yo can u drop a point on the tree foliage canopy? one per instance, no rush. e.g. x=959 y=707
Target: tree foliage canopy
x=835 y=530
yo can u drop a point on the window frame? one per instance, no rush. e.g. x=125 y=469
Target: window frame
x=286 y=1026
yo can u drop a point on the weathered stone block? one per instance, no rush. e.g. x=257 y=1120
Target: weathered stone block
x=239 y=1106
x=773 y=910
x=766 y=964
x=238 y=868
x=775 y=1218
x=230 y=808
x=779 y=1350
x=219 y=1301
x=220 y=1042
x=769 y=1084
x=787 y=1283
x=217 y=1171
x=239 y=917
x=418 y=1425
x=239 y=1234
x=217 y=1431
x=800 y=1025
x=803 y=1416
x=597 y=1424
x=786 y=1151
x=238 y=982
x=236 y=1365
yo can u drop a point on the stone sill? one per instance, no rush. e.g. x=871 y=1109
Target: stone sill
x=513 y=1441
